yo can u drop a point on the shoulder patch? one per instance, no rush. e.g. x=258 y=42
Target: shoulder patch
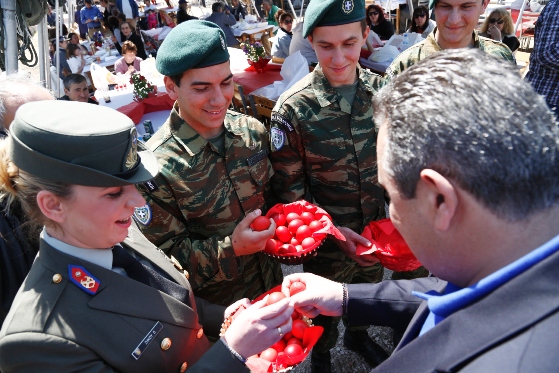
x=276 y=117
x=277 y=138
x=151 y=186
x=143 y=214
x=83 y=279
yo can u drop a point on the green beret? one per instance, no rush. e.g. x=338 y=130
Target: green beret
x=331 y=13
x=191 y=45
x=79 y=143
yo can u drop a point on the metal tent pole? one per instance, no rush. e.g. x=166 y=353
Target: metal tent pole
x=41 y=40
x=10 y=35
x=57 y=55
x=520 y=14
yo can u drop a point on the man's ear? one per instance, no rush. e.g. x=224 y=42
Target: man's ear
x=309 y=38
x=441 y=197
x=51 y=206
x=171 y=87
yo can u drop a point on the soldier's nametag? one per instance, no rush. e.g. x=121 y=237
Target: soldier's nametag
x=83 y=279
x=138 y=351
x=143 y=214
x=278 y=138
x=278 y=118
x=151 y=186
x=257 y=157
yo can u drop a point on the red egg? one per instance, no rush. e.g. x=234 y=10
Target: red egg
x=283 y=234
x=293 y=350
x=271 y=245
x=295 y=341
x=307 y=217
x=294 y=225
x=315 y=225
x=269 y=354
x=291 y=216
x=279 y=219
x=308 y=243
x=298 y=328
x=303 y=232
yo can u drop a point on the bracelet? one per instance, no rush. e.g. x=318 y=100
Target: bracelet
x=235 y=353
x=344 y=299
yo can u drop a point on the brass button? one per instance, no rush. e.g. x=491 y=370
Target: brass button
x=176 y=263
x=166 y=344
x=57 y=278
x=200 y=333
x=183 y=367
x=187 y=275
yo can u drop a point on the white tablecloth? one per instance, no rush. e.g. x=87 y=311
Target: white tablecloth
x=377 y=66
x=393 y=4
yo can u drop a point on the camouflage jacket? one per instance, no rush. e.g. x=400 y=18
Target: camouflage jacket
x=324 y=150
x=429 y=46
x=199 y=197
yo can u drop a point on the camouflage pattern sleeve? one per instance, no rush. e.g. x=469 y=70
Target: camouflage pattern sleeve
x=287 y=155
x=207 y=260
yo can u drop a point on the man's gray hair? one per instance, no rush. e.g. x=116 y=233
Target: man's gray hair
x=73 y=79
x=269 y=2
x=469 y=116
x=10 y=90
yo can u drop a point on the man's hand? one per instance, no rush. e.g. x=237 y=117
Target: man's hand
x=321 y=296
x=350 y=244
x=246 y=241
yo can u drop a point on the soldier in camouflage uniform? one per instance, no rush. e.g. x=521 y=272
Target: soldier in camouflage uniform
x=324 y=150
x=446 y=36
x=214 y=177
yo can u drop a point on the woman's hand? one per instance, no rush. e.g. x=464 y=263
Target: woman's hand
x=256 y=328
x=241 y=303
x=495 y=33
x=321 y=296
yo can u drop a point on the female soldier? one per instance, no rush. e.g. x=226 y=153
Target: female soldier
x=99 y=297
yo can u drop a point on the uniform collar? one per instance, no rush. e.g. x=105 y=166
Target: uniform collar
x=326 y=94
x=190 y=139
x=432 y=41
x=101 y=257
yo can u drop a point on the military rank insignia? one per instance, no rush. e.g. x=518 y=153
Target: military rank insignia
x=143 y=214
x=347 y=6
x=83 y=279
x=277 y=138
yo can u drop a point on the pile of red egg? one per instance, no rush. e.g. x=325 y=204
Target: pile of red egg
x=294 y=347
x=300 y=229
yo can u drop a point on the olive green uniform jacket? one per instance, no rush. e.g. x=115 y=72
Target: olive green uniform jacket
x=199 y=197
x=429 y=46
x=55 y=326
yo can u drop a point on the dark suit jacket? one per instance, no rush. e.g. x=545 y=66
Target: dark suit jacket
x=224 y=21
x=58 y=327
x=513 y=329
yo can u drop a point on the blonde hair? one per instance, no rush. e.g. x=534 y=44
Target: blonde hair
x=508 y=27
x=16 y=184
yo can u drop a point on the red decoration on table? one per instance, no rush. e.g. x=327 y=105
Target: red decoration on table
x=136 y=110
x=289 y=230
x=260 y=65
x=388 y=246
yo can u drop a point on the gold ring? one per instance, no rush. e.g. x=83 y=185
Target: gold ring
x=279 y=331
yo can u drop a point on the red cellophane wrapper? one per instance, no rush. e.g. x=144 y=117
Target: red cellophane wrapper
x=320 y=235
x=285 y=363
x=388 y=246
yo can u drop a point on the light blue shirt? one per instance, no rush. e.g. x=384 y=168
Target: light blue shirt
x=455 y=298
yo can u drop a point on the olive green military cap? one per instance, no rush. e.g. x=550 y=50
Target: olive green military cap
x=332 y=13
x=191 y=45
x=79 y=143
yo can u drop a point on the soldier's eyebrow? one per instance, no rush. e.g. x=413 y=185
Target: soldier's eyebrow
x=352 y=38
x=208 y=83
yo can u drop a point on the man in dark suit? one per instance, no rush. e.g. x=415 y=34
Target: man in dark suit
x=224 y=19
x=468 y=154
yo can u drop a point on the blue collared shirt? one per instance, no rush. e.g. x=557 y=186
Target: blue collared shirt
x=91 y=13
x=456 y=298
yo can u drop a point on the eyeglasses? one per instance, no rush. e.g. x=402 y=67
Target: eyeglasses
x=498 y=21
x=288 y=21
x=420 y=15
x=373 y=14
